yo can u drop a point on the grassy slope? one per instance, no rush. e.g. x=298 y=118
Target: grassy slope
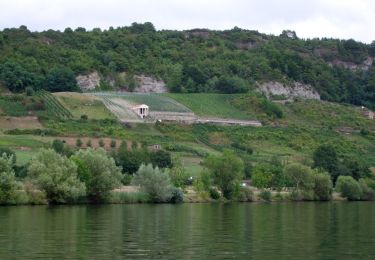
x=211 y=105
x=79 y=104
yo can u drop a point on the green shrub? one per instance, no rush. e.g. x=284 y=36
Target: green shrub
x=322 y=186
x=349 y=188
x=8 y=184
x=8 y=153
x=101 y=143
x=177 y=195
x=155 y=182
x=99 y=172
x=214 y=193
x=113 y=143
x=79 y=142
x=296 y=195
x=126 y=179
x=89 y=143
x=34 y=196
x=58 y=146
x=56 y=176
x=367 y=192
x=29 y=91
x=245 y=194
x=265 y=195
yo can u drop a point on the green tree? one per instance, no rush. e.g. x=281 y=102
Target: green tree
x=98 y=171
x=325 y=157
x=161 y=159
x=226 y=170
x=56 y=176
x=58 y=146
x=322 y=186
x=266 y=175
x=348 y=187
x=60 y=79
x=8 y=184
x=155 y=182
x=300 y=175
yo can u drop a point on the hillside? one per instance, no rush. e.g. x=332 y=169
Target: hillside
x=302 y=127
x=198 y=60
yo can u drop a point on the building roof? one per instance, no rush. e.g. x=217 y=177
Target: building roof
x=140 y=106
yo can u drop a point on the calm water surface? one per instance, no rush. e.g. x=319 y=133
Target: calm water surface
x=190 y=231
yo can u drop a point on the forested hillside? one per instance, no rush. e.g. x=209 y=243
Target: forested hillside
x=229 y=61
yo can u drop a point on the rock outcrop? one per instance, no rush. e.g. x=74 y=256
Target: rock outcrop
x=365 y=65
x=296 y=90
x=88 y=81
x=149 y=84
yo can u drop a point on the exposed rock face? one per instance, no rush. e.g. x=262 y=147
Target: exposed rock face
x=366 y=64
x=149 y=84
x=296 y=90
x=88 y=81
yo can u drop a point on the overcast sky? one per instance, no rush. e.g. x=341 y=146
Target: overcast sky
x=309 y=18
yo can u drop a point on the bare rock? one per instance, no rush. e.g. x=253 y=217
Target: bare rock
x=365 y=65
x=88 y=81
x=150 y=84
x=296 y=90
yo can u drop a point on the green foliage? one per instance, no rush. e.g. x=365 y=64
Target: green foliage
x=265 y=195
x=9 y=153
x=79 y=142
x=8 y=184
x=325 y=157
x=130 y=160
x=266 y=175
x=161 y=159
x=89 y=143
x=112 y=143
x=227 y=171
x=301 y=176
x=214 y=193
x=101 y=143
x=29 y=91
x=322 y=186
x=99 y=172
x=367 y=192
x=245 y=194
x=349 y=188
x=177 y=195
x=56 y=176
x=227 y=61
x=155 y=182
x=178 y=175
x=58 y=146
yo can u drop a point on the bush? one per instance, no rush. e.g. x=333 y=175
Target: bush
x=245 y=194
x=266 y=175
x=296 y=195
x=179 y=176
x=34 y=196
x=300 y=176
x=349 y=188
x=126 y=179
x=56 y=176
x=8 y=184
x=214 y=193
x=58 y=146
x=99 y=172
x=226 y=171
x=9 y=154
x=89 y=144
x=101 y=143
x=79 y=142
x=322 y=186
x=113 y=143
x=155 y=182
x=29 y=91
x=177 y=195
x=84 y=117
x=367 y=192
x=161 y=159
x=265 y=195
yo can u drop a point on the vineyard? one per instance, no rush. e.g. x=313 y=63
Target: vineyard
x=156 y=102
x=121 y=109
x=53 y=106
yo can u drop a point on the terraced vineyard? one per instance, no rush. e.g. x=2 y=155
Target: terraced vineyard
x=53 y=105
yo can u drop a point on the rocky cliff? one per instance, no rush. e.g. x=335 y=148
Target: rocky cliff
x=295 y=90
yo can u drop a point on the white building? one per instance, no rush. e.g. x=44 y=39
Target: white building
x=141 y=110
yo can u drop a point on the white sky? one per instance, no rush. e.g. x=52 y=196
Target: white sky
x=309 y=18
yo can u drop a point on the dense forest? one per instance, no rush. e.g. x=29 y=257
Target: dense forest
x=198 y=60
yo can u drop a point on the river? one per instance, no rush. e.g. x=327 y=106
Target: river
x=329 y=230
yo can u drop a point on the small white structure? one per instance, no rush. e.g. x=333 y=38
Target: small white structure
x=141 y=110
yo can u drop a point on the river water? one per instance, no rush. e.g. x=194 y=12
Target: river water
x=190 y=231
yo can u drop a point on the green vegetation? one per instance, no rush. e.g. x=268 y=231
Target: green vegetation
x=99 y=173
x=200 y=60
x=349 y=188
x=83 y=106
x=8 y=184
x=56 y=175
x=154 y=182
x=55 y=108
x=211 y=105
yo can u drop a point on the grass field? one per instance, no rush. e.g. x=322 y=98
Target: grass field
x=210 y=105
x=82 y=104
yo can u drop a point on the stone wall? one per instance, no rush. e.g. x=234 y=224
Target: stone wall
x=296 y=90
